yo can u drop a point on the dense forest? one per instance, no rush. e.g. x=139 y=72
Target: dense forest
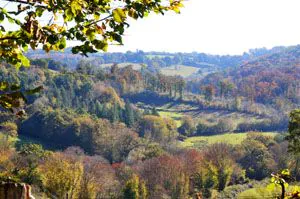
x=124 y=132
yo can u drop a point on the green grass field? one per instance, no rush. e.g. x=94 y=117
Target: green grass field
x=264 y=192
x=230 y=138
x=135 y=66
x=159 y=56
x=211 y=116
x=180 y=70
x=175 y=116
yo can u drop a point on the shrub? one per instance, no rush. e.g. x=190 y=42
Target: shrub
x=9 y=128
x=203 y=128
x=157 y=128
x=224 y=125
x=188 y=127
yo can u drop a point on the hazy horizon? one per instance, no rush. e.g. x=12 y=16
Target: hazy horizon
x=158 y=51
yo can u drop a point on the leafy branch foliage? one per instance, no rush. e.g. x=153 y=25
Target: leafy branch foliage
x=12 y=97
x=95 y=24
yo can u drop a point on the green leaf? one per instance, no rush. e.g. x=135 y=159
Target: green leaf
x=1 y=16
x=69 y=15
x=273 y=179
x=285 y=172
x=39 y=11
x=62 y=43
x=119 y=15
x=132 y=13
x=96 y=16
x=2 y=28
x=24 y=60
x=91 y=34
x=4 y=11
x=117 y=38
x=25 y=48
x=10 y=20
x=3 y=86
x=52 y=39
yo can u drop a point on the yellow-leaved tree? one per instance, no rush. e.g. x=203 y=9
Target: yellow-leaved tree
x=61 y=177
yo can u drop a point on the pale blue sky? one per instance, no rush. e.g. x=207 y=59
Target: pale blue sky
x=218 y=27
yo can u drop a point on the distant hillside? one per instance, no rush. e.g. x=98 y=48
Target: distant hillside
x=288 y=57
x=269 y=79
x=157 y=60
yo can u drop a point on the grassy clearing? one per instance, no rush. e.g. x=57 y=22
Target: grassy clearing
x=264 y=192
x=230 y=138
x=159 y=56
x=211 y=116
x=180 y=70
x=175 y=116
x=135 y=66
x=178 y=111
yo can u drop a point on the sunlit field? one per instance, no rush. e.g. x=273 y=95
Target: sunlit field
x=230 y=138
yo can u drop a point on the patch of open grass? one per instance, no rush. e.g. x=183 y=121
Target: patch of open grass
x=135 y=66
x=211 y=116
x=175 y=116
x=265 y=192
x=159 y=56
x=230 y=138
x=180 y=70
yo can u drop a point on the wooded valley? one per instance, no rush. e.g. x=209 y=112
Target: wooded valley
x=117 y=126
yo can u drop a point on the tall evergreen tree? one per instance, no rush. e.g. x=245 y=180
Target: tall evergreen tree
x=115 y=113
x=135 y=189
x=99 y=108
x=294 y=132
x=129 y=114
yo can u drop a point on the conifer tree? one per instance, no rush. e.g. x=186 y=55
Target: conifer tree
x=129 y=114
x=294 y=132
x=135 y=189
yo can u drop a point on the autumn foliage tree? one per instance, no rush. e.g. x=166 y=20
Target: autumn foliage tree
x=158 y=129
x=135 y=189
x=209 y=92
x=256 y=160
x=188 y=126
x=219 y=164
x=62 y=180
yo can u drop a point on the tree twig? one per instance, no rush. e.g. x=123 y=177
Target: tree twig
x=27 y=3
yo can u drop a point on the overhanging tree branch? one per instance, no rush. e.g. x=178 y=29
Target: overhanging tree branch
x=27 y=3
x=9 y=38
x=94 y=22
